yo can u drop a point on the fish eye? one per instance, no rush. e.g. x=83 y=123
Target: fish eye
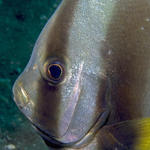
x=55 y=72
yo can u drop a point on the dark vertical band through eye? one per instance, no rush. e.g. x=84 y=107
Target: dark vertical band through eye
x=55 y=71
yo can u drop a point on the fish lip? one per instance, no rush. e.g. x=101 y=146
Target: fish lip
x=51 y=140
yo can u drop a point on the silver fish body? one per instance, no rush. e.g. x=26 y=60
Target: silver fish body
x=88 y=75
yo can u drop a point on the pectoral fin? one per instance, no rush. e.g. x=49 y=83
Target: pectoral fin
x=127 y=135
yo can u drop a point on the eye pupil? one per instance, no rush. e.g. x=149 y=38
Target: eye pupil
x=55 y=71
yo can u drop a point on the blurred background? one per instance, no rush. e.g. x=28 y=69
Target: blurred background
x=20 y=24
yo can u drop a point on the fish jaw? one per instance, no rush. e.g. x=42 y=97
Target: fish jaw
x=69 y=140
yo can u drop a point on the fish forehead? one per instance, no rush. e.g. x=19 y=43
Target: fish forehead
x=74 y=24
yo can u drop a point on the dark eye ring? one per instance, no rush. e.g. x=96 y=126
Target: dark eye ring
x=55 y=72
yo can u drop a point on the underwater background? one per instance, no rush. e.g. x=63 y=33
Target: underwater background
x=21 y=21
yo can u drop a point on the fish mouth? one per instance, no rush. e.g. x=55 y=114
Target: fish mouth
x=88 y=136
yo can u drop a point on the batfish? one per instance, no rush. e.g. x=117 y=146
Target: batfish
x=87 y=83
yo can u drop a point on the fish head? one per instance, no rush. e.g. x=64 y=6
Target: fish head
x=64 y=88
